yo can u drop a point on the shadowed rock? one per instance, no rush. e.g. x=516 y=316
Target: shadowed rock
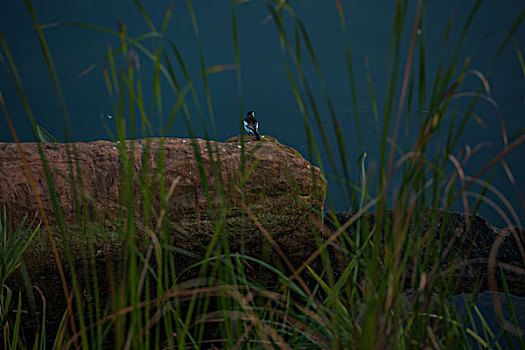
x=469 y=246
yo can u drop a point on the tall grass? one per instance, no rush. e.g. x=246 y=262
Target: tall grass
x=351 y=292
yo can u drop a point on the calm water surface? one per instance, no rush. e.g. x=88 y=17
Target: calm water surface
x=512 y=311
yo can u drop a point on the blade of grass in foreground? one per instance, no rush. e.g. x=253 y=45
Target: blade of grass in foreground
x=295 y=54
x=27 y=170
x=50 y=68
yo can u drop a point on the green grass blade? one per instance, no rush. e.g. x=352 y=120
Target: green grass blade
x=44 y=136
x=51 y=69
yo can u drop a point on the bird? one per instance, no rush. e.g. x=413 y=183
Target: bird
x=251 y=125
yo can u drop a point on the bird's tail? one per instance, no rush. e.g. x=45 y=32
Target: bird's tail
x=257 y=137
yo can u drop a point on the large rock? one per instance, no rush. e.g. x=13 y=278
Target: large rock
x=282 y=190
x=470 y=247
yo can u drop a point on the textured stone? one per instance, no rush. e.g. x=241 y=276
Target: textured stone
x=88 y=181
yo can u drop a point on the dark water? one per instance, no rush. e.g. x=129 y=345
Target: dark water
x=489 y=316
x=265 y=86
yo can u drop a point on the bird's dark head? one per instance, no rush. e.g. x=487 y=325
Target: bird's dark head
x=250 y=114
